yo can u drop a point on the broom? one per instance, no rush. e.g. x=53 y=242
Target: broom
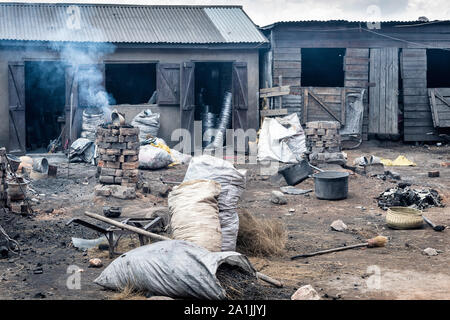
x=376 y=242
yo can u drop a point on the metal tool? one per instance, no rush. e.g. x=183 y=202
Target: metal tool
x=435 y=227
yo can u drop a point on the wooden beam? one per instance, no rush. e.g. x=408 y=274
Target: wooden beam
x=273 y=112
x=274 y=92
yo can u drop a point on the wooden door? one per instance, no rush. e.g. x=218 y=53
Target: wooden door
x=168 y=83
x=240 y=95
x=323 y=104
x=187 y=103
x=440 y=106
x=383 y=98
x=16 y=94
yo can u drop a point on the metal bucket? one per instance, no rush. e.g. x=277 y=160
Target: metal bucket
x=14 y=162
x=331 y=185
x=296 y=173
x=40 y=165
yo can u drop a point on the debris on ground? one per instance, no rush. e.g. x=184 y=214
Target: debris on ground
x=400 y=161
x=260 y=237
x=433 y=174
x=294 y=191
x=296 y=173
x=338 y=225
x=95 y=263
x=82 y=150
x=430 y=252
x=405 y=196
x=306 y=293
x=277 y=197
x=367 y=161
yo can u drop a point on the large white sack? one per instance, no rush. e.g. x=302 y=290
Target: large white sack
x=232 y=182
x=151 y=157
x=172 y=268
x=194 y=213
x=281 y=139
x=148 y=124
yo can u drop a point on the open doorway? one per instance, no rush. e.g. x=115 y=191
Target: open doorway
x=213 y=81
x=44 y=100
x=131 y=83
x=438 y=68
x=322 y=67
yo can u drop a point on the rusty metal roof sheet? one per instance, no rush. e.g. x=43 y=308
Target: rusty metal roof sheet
x=127 y=24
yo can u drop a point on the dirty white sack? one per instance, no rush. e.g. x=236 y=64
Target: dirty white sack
x=151 y=157
x=232 y=182
x=281 y=139
x=194 y=213
x=148 y=124
x=172 y=268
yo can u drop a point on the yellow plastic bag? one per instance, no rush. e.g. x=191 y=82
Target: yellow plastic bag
x=401 y=161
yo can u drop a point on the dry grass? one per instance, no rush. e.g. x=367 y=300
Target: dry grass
x=128 y=293
x=260 y=237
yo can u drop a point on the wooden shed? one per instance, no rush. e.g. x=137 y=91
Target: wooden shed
x=403 y=67
x=140 y=57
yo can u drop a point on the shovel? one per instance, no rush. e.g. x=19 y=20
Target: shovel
x=435 y=227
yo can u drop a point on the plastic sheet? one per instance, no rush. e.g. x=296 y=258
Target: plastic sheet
x=282 y=139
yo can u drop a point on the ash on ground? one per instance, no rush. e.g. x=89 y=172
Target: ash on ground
x=405 y=196
x=240 y=285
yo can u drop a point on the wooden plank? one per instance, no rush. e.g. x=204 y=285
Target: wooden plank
x=291 y=73
x=413 y=74
x=357 y=83
x=415 y=83
x=287 y=64
x=287 y=81
x=274 y=92
x=305 y=104
x=287 y=57
x=445 y=92
x=434 y=113
x=382 y=92
x=355 y=52
x=357 y=75
x=287 y=50
x=324 y=106
x=355 y=60
x=415 y=91
x=374 y=118
x=356 y=67
x=273 y=112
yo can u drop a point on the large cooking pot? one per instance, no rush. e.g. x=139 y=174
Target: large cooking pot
x=331 y=185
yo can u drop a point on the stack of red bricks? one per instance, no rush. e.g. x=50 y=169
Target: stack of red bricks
x=3 y=184
x=323 y=141
x=118 y=151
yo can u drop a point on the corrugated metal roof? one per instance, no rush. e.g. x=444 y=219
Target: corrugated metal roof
x=347 y=22
x=128 y=24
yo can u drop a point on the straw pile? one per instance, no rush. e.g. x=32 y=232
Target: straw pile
x=260 y=237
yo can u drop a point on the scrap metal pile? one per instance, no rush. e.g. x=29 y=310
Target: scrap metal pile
x=405 y=196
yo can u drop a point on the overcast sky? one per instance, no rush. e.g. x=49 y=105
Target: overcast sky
x=264 y=12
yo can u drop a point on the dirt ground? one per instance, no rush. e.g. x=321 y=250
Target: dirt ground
x=398 y=271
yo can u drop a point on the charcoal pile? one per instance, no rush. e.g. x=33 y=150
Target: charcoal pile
x=405 y=196
x=240 y=285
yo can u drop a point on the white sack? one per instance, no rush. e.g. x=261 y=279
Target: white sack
x=151 y=157
x=281 y=139
x=148 y=124
x=194 y=213
x=172 y=268
x=232 y=182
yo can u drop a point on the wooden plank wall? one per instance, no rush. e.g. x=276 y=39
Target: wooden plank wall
x=418 y=121
x=356 y=67
x=383 y=104
x=440 y=106
x=287 y=62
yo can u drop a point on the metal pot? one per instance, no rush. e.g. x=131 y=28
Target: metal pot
x=331 y=185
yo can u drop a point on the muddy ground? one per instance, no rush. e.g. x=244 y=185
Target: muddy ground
x=398 y=271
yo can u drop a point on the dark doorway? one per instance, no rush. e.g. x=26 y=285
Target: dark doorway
x=212 y=82
x=44 y=99
x=438 y=68
x=130 y=83
x=323 y=67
